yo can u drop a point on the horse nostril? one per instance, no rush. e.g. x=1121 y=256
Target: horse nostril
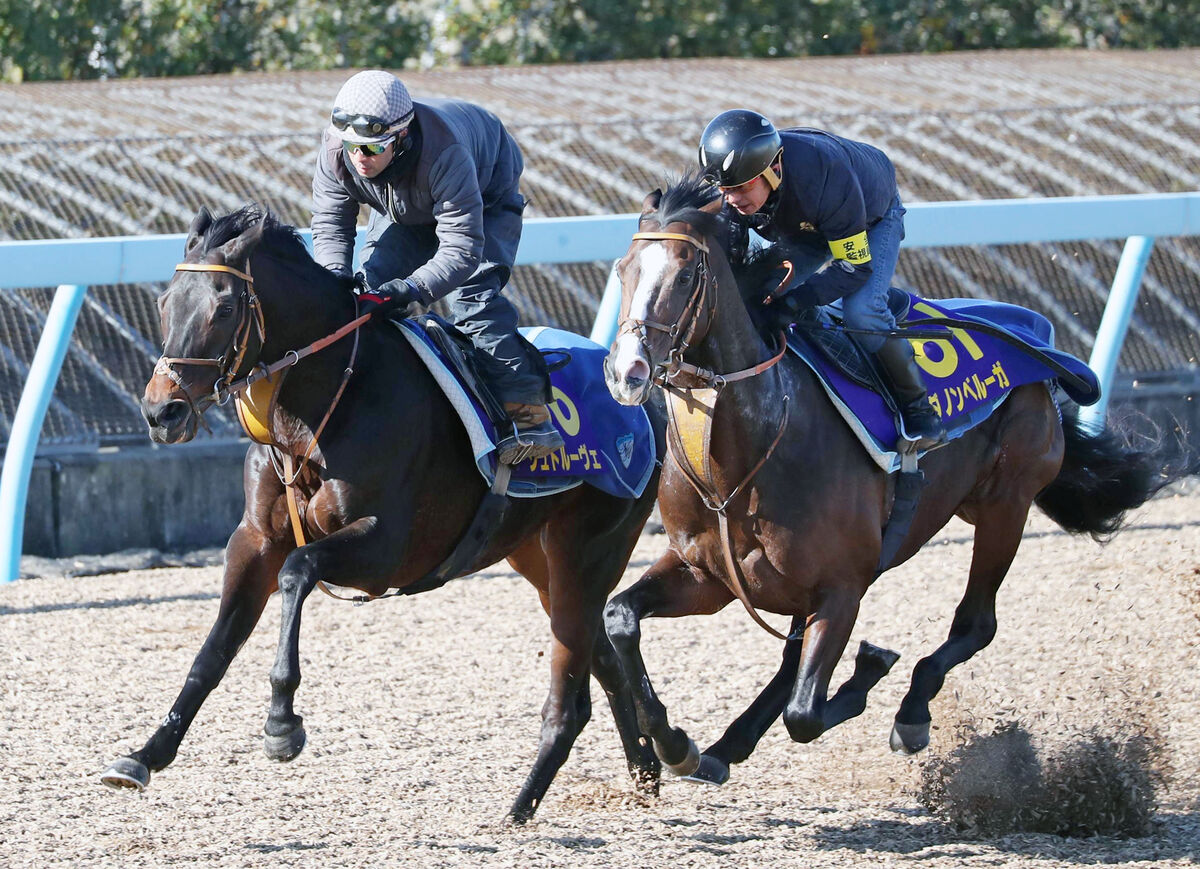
x=173 y=413
x=637 y=373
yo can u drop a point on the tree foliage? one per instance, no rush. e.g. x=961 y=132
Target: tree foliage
x=69 y=39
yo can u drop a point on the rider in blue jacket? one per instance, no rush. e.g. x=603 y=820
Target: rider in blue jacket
x=827 y=202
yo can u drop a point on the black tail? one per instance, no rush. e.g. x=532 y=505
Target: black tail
x=1103 y=477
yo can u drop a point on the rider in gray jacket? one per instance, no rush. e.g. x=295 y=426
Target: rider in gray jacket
x=441 y=178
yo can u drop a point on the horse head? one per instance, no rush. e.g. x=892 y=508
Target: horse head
x=210 y=317
x=666 y=303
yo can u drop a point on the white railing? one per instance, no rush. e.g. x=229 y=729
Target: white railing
x=73 y=265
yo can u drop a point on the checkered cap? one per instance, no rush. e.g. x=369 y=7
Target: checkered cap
x=376 y=93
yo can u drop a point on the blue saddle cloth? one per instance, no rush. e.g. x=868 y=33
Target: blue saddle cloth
x=607 y=445
x=968 y=375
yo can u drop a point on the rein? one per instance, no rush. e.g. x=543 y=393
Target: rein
x=702 y=300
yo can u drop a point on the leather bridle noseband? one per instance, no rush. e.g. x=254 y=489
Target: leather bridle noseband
x=225 y=385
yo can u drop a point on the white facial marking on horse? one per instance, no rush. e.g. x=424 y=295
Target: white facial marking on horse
x=628 y=352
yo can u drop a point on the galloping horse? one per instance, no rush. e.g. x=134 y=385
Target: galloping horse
x=772 y=499
x=384 y=494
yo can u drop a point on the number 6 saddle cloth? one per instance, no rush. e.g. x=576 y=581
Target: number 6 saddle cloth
x=607 y=445
x=969 y=373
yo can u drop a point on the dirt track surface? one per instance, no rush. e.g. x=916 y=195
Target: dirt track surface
x=423 y=716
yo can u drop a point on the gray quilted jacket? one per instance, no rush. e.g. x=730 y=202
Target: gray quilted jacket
x=467 y=163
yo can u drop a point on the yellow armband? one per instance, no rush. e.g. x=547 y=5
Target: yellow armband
x=854 y=249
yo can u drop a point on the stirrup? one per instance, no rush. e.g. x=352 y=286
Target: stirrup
x=923 y=430
x=529 y=444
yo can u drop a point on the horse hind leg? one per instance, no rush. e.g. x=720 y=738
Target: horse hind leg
x=668 y=589
x=998 y=530
x=644 y=766
x=574 y=571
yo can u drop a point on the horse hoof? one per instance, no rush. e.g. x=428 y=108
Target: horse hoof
x=687 y=766
x=909 y=738
x=126 y=773
x=886 y=658
x=711 y=771
x=285 y=747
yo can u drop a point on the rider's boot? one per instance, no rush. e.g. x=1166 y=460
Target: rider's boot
x=921 y=421
x=532 y=436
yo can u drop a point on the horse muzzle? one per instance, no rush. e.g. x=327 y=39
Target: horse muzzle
x=169 y=415
x=628 y=376
x=170 y=422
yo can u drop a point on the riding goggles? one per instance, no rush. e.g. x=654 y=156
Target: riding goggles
x=372 y=148
x=366 y=125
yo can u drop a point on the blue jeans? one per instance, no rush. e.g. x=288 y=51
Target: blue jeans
x=477 y=308
x=866 y=307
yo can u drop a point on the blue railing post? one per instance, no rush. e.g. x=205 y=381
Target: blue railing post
x=1118 y=311
x=27 y=424
x=604 y=327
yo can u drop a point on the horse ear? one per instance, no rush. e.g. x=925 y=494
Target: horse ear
x=200 y=222
x=238 y=250
x=650 y=203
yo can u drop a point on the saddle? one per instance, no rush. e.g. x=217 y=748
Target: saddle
x=844 y=351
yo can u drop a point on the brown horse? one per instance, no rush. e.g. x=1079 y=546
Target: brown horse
x=768 y=496
x=386 y=493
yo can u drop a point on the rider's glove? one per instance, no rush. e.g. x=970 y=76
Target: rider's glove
x=392 y=297
x=789 y=307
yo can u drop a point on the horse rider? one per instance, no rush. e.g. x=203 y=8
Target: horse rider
x=441 y=179
x=830 y=202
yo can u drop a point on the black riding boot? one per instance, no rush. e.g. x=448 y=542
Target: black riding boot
x=920 y=419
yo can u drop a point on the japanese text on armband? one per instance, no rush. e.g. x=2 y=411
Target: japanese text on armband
x=853 y=250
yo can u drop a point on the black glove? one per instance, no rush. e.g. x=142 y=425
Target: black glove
x=392 y=297
x=793 y=305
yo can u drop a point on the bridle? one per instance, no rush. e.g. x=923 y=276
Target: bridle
x=694 y=463
x=686 y=329
x=699 y=309
x=250 y=321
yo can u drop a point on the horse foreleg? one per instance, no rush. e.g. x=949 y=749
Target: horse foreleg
x=670 y=588
x=356 y=552
x=250 y=568
x=808 y=713
x=742 y=736
x=997 y=536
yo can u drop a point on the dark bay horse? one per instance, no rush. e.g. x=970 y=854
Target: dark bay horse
x=387 y=492
x=768 y=496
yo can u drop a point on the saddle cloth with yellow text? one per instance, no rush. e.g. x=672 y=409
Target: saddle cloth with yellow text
x=968 y=374
x=607 y=445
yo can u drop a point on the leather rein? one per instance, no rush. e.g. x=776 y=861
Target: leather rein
x=701 y=303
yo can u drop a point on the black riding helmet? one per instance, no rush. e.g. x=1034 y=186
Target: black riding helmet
x=737 y=146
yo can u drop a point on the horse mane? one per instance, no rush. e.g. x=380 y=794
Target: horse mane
x=279 y=239
x=683 y=200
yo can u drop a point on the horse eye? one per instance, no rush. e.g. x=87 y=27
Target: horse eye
x=685 y=277
x=224 y=312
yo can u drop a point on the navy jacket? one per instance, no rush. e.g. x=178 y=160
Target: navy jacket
x=833 y=189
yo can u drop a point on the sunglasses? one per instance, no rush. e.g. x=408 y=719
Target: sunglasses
x=364 y=125
x=374 y=149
